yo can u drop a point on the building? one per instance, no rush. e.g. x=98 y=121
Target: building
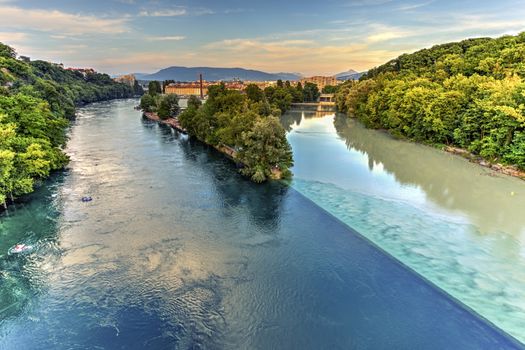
x=321 y=81
x=194 y=88
x=187 y=89
x=128 y=79
x=261 y=84
x=83 y=71
x=327 y=100
x=235 y=85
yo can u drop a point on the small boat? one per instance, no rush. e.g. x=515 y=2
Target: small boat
x=20 y=249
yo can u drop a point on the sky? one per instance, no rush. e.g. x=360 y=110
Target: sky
x=309 y=37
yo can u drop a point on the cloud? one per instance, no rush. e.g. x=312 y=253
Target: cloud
x=164 y=13
x=365 y=3
x=384 y=33
x=486 y=22
x=235 y=10
x=12 y=37
x=202 y=11
x=410 y=7
x=166 y=38
x=58 y=21
x=306 y=56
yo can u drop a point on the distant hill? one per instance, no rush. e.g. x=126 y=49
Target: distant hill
x=349 y=75
x=214 y=74
x=348 y=72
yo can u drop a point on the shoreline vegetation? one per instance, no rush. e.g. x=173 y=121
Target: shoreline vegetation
x=37 y=101
x=467 y=98
x=242 y=125
x=509 y=170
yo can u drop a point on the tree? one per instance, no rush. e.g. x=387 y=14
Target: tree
x=166 y=83
x=254 y=93
x=264 y=148
x=279 y=97
x=137 y=89
x=469 y=94
x=233 y=126
x=7 y=51
x=194 y=102
x=330 y=89
x=310 y=92
x=168 y=106
x=154 y=87
x=33 y=112
x=148 y=103
x=233 y=119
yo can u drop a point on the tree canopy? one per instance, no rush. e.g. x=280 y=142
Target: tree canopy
x=232 y=119
x=36 y=98
x=469 y=94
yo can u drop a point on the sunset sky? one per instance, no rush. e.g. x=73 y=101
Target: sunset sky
x=310 y=37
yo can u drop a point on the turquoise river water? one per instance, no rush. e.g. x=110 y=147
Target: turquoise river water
x=459 y=225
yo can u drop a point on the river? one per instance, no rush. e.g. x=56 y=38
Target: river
x=177 y=250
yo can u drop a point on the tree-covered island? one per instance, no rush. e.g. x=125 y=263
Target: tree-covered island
x=37 y=100
x=244 y=125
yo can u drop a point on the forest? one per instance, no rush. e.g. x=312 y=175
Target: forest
x=468 y=94
x=37 y=99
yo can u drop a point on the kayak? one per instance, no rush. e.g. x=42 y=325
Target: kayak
x=20 y=249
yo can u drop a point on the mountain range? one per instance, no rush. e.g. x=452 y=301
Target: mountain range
x=349 y=75
x=178 y=73
x=215 y=74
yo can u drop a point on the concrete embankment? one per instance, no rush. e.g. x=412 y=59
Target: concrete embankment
x=173 y=122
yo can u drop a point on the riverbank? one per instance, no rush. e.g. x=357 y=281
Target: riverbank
x=509 y=170
x=173 y=122
x=497 y=167
x=229 y=152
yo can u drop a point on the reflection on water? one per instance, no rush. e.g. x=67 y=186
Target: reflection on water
x=177 y=250
x=454 y=222
x=491 y=201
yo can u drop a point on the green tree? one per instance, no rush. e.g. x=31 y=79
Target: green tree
x=7 y=51
x=330 y=89
x=233 y=119
x=194 y=102
x=33 y=112
x=148 y=103
x=154 y=87
x=469 y=94
x=168 y=106
x=264 y=149
x=280 y=98
x=254 y=93
x=310 y=92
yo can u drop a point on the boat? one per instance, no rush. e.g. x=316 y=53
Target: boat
x=20 y=249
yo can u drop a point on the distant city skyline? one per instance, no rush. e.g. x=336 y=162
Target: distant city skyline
x=312 y=38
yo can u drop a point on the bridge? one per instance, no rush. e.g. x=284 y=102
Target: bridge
x=325 y=104
x=325 y=100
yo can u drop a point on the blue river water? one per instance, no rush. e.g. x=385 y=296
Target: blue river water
x=177 y=250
